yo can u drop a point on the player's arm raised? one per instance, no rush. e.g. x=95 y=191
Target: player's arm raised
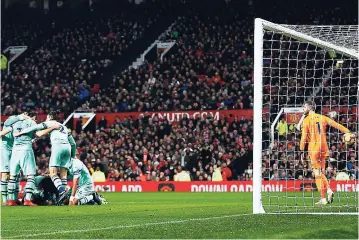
x=5 y=131
x=336 y=125
x=13 y=119
x=48 y=130
x=37 y=127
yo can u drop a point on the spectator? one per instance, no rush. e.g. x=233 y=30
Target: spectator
x=102 y=123
x=79 y=125
x=282 y=127
x=98 y=176
x=182 y=176
x=226 y=172
x=217 y=176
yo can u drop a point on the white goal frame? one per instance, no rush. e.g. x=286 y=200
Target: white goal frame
x=259 y=27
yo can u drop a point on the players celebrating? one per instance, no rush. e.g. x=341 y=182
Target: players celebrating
x=17 y=154
x=23 y=158
x=60 y=149
x=314 y=133
x=7 y=143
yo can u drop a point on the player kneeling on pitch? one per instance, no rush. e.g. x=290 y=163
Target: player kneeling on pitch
x=83 y=189
x=45 y=193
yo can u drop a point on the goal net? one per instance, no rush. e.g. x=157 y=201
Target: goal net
x=294 y=64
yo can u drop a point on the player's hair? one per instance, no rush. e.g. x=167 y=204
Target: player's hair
x=32 y=114
x=53 y=114
x=311 y=105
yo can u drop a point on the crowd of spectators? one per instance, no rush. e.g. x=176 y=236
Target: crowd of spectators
x=153 y=148
x=73 y=54
x=210 y=67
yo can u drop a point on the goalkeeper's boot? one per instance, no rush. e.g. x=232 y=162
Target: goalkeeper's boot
x=322 y=201
x=330 y=196
x=11 y=203
x=29 y=203
x=96 y=198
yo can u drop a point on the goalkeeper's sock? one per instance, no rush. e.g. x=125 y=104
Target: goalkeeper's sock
x=319 y=183
x=85 y=200
x=325 y=183
x=11 y=188
x=29 y=187
x=4 y=183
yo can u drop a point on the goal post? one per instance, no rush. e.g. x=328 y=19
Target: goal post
x=292 y=64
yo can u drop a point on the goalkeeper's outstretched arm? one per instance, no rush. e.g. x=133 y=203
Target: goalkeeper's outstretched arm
x=336 y=125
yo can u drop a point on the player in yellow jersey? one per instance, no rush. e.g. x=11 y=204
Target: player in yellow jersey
x=314 y=133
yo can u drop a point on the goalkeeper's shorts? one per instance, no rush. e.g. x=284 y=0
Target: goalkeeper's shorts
x=318 y=159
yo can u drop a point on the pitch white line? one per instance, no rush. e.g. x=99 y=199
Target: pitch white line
x=318 y=213
x=128 y=226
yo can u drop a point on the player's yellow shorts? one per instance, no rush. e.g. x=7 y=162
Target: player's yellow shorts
x=318 y=158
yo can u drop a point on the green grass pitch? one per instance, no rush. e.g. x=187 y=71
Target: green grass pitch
x=171 y=215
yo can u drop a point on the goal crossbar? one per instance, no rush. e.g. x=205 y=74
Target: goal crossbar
x=349 y=52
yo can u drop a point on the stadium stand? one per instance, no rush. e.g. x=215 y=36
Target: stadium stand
x=67 y=58
x=210 y=67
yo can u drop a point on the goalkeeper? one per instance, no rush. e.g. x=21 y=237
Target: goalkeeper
x=314 y=133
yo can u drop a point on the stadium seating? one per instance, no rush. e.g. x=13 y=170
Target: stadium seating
x=66 y=58
x=210 y=67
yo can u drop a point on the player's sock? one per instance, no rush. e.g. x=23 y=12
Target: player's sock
x=11 y=188
x=4 y=183
x=319 y=183
x=58 y=184
x=85 y=200
x=29 y=187
x=17 y=188
x=64 y=182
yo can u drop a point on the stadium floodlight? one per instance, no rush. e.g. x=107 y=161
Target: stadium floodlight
x=294 y=64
